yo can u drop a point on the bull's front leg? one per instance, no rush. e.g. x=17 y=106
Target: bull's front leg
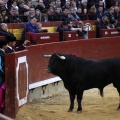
x=79 y=100
x=72 y=98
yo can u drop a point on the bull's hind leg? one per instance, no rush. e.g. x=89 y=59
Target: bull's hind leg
x=79 y=99
x=72 y=98
x=119 y=103
x=118 y=89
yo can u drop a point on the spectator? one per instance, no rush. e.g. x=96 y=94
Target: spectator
x=14 y=4
x=4 y=16
x=82 y=15
x=79 y=13
x=65 y=13
x=32 y=29
x=50 y=14
x=44 y=17
x=92 y=15
x=1 y=5
x=92 y=2
x=4 y=31
x=74 y=6
x=104 y=24
x=99 y=13
x=76 y=27
x=7 y=5
x=110 y=15
x=38 y=15
x=21 y=4
x=31 y=13
x=58 y=14
x=45 y=3
x=39 y=26
x=29 y=3
x=51 y=3
x=85 y=14
x=24 y=16
x=40 y=5
x=117 y=14
x=3 y=46
x=83 y=29
x=57 y=4
x=73 y=16
x=61 y=28
x=67 y=5
x=14 y=16
x=116 y=4
x=12 y=45
x=83 y=5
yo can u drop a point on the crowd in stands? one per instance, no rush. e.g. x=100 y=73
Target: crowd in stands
x=21 y=11
x=17 y=11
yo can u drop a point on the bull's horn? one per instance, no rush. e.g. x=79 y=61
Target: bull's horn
x=48 y=56
x=61 y=57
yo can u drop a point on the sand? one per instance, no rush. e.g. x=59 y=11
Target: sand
x=55 y=108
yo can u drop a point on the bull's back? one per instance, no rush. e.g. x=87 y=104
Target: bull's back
x=98 y=73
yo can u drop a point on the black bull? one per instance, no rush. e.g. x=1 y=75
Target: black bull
x=79 y=74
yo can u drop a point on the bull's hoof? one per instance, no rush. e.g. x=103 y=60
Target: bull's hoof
x=69 y=110
x=79 y=112
x=118 y=109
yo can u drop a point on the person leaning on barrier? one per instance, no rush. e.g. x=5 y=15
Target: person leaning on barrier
x=4 y=30
x=12 y=45
x=40 y=28
x=104 y=23
x=32 y=29
x=3 y=46
x=62 y=27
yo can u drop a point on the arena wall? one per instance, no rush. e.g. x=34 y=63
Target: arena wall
x=26 y=78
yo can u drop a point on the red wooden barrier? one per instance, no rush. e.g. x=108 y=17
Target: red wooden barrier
x=109 y=32
x=47 y=37
x=27 y=68
x=73 y=35
x=16 y=80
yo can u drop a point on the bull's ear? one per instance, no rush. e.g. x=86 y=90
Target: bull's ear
x=61 y=57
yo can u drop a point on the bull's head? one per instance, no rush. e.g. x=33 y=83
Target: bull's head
x=54 y=62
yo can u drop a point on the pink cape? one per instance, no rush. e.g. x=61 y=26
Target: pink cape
x=2 y=96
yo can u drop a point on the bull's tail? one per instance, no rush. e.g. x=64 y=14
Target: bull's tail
x=101 y=92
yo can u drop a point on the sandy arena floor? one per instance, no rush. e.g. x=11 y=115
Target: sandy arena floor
x=54 y=108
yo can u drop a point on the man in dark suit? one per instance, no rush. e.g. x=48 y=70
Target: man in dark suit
x=100 y=13
x=11 y=45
